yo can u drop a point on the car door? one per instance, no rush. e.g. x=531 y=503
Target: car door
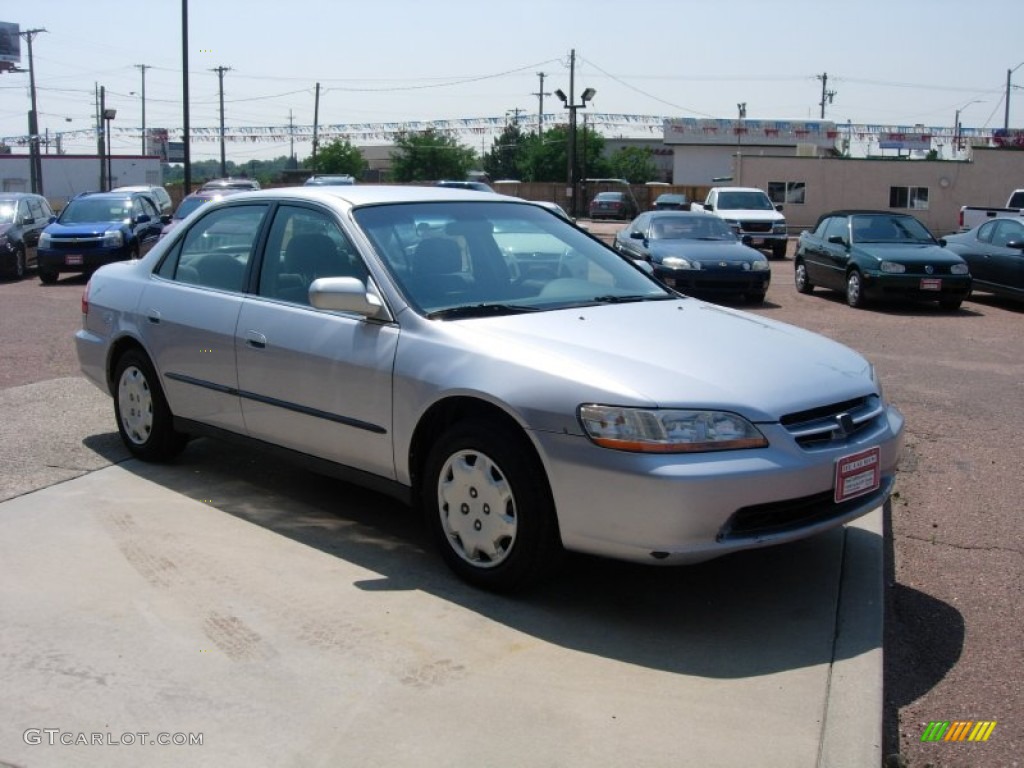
x=1005 y=265
x=630 y=244
x=819 y=259
x=312 y=380
x=189 y=311
x=147 y=231
x=39 y=212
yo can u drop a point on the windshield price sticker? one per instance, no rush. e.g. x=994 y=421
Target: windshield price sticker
x=858 y=474
x=931 y=284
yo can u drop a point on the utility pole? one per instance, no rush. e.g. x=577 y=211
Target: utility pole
x=573 y=207
x=142 y=68
x=291 y=140
x=187 y=154
x=220 y=76
x=316 y=122
x=826 y=95
x=35 y=161
x=99 y=134
x=540 y=107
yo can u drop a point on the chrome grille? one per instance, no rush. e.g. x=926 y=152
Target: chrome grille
x=833 y=423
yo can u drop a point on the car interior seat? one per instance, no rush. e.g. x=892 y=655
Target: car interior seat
x=437 y=274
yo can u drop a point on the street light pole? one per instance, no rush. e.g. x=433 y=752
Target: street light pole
x=587 y=95
x=958 y=139
x=142 y=68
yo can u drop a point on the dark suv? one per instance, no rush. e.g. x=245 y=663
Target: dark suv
x=96 y=228
x=22 y=218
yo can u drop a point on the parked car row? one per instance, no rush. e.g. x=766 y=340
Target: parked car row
x=479 y=355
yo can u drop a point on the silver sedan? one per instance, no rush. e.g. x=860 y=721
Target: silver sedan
x=529 y=388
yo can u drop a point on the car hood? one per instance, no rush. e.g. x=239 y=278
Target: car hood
x=908 y=253
x=683 y=353
x=718 y=250
x=85 y=228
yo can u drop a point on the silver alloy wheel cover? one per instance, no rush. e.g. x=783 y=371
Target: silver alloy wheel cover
x=135 y=402
x=801 y=276
x=853 y=288
x=477 y=509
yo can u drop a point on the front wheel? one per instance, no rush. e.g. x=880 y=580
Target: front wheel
x=489 y=508
x=854 y=290
x=950 y=305
x=800 y=279
x=144 y=419
x=48 y=276
x=779 y=249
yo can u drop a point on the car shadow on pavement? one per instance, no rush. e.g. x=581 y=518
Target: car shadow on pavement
x=756 y=613
x=924 y=638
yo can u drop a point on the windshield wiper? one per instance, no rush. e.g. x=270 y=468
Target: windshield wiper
x=620 y=299
x=479 y=310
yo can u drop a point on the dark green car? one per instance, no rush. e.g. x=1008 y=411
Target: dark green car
x=879 y=255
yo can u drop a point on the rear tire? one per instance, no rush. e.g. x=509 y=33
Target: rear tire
x=144 y=419
x=855 y=290
x=488 y=506
x=800 y=279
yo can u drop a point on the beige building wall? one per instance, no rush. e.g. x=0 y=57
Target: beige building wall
x=833 y=183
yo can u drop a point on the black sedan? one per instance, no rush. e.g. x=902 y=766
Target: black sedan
x=22 y=218
x=994 y=252
x=696 y=253
x=876 y=255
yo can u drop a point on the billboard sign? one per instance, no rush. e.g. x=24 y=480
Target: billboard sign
x=10 y=45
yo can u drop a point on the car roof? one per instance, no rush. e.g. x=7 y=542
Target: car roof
x=368 y=194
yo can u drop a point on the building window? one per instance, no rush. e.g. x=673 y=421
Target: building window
x=909 y=197
x=791 y=192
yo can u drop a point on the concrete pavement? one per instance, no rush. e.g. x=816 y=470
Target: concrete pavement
x=290 y=619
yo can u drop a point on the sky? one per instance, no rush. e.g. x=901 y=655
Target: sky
x=894 y=63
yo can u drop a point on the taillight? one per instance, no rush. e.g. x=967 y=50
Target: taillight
x=85 y=299
x=960 y=225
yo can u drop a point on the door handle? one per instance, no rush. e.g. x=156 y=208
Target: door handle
x=255 y=339
x=154 y=316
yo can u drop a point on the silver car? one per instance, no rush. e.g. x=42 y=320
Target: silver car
x=529 y=388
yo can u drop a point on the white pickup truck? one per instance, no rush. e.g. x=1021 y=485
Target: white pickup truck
x=972 y=216
x=751 y=214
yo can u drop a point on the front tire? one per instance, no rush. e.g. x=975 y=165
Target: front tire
x=950 y=305
x=144 y=419
x=48 y=276
x=855 y=290
x=779 y=249
x=800 y=279
x=489 y=507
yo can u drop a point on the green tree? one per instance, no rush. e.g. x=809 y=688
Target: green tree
x=547 y=158
x=634 y=164
x=505 y=160
x=430 y=155
x=339 y=156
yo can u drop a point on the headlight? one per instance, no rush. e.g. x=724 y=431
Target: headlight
x=677 y=262
x=668 y=431
x=44 y=240
x=877 y=382
x=761 y=265
x=959 y=269
x=892 y=266
x=779 y=227
x=113 y=238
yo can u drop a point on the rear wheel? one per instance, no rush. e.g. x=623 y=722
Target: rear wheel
x=854 y=289
x=144 y=419
x=800 y=279
x=488 y=506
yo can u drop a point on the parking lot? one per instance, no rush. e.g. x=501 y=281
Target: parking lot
x=293 y=619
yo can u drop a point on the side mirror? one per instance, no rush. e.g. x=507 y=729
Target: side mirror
x=837 y=240
x=747 y=240
x=51 y=220
x=142 y=218
x=165 y=218
x=637 y=235
x=346 y=294
x=1018 y=244
x=779 y=207
x=942 y=242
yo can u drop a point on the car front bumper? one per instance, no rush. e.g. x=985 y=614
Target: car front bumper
x=69 y=260
x=680 y=508
x=883 y=285
x=714 y=281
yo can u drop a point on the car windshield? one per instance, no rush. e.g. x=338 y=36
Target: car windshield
x=699 y=226
x=87 y=210
x=610 y=196
x=882 y=228
x=323 y=181
x=745 y=201
x=477 y=259
x=189 y=204
x=7 y=211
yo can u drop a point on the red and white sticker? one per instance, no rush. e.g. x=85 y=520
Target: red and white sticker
x=858 y=473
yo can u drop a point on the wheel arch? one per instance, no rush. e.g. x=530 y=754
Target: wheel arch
x=117 y=349
x=449 y=411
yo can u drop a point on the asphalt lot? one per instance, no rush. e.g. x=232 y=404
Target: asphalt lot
x=620 y=648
